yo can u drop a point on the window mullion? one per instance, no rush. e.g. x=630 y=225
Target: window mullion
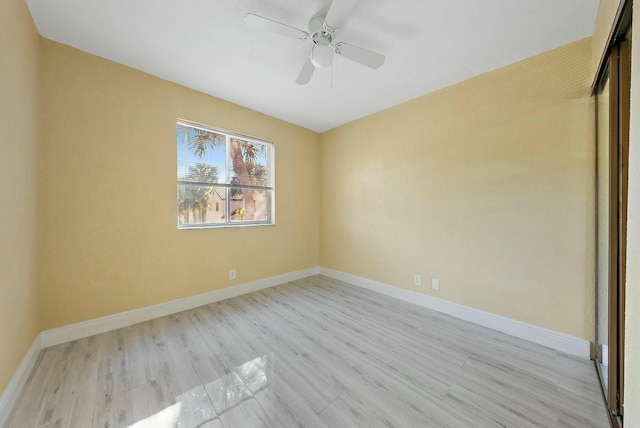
x=227 y=178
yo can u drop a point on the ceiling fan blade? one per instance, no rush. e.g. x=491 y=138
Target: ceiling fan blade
x=338 y=12
x=266 y=24
x=305 y=74
x=362 y=56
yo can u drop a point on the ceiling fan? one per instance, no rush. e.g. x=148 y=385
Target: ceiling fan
x=322 y=30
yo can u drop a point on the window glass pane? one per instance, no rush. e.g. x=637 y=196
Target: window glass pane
x=201 y=155
x=201 y=204
x=249 y=163
x=249 y=205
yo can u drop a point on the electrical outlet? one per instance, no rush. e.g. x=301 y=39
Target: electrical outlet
x=417 y=279
x=435 y=284
x=232 y=274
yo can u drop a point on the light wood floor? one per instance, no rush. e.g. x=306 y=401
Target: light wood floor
x=310 y=353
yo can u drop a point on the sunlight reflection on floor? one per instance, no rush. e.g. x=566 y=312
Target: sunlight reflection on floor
x=223 y=393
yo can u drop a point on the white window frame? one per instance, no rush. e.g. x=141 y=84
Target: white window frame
x=270 y=189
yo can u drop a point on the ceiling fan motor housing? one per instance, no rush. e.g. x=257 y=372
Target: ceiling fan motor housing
x=322 y=52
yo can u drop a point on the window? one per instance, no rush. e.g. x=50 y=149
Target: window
x=223 y=179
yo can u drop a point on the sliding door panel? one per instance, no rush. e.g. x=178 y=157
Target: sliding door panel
x=602 y=284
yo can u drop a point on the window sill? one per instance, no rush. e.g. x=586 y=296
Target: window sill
x=221 y=226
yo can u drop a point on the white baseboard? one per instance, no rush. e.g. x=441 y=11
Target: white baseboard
x=82 y=329
x=605 y=355
x=553 y=339
x=13 y=389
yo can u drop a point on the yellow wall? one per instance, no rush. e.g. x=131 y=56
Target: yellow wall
x=487 y=185
x=604 y=22
x=18 y=167
x=108 y=193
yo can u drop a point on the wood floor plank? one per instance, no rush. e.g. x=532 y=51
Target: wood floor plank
x=311 y=353
x=285 y=407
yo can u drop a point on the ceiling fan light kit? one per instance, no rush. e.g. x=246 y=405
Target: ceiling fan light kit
x=322 y=29
x=322 y=56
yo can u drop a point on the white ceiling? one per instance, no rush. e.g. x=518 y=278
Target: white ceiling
x=205 y=45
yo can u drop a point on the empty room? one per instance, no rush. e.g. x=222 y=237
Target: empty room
x=324 y=213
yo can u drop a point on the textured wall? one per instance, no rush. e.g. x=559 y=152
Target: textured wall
x=108 y=193
x=487 y=185
x=19 y=304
